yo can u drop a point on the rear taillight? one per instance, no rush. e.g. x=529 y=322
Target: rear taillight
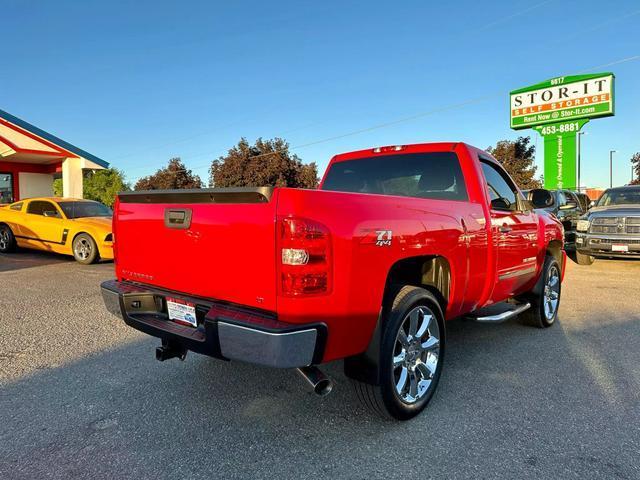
x=304 y=257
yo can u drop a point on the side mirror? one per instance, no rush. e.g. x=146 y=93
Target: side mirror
x=570 y=205
x=500 y=204
x=592 y=203
x=50 y=213
x=540 y=198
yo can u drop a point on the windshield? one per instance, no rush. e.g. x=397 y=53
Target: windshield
x=85 y=209
x=619 y=197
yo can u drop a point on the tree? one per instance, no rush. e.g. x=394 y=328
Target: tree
x=174 y=176
x=99 y=185
x=104 y=185
x=635 y=161
x=266 y=163
x=57 y=187
x=517 y=158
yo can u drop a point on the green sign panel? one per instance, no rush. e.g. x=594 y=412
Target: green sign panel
x=557 y=109
x=560 y=169
x=561 y=99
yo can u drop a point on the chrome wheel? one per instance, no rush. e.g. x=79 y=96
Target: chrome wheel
x=416 y=354
x=83 y=249
x=551 y=293
x=4 y=239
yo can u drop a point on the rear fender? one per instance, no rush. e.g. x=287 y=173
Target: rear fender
x=433 y=273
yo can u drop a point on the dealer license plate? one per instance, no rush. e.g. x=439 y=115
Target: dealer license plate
x=619 y=248
x=182 y=312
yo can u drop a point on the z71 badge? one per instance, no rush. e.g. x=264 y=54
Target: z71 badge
x=384 y=238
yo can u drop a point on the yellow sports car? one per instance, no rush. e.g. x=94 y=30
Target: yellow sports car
x=81 y=228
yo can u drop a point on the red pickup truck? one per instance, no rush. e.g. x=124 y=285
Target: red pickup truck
x=368 y=268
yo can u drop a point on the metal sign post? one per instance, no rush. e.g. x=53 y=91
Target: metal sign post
x=560 y=153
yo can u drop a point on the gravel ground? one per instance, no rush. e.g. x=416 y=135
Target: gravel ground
x=81 y=395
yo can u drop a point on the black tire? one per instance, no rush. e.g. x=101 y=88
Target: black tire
x=7 y=239
x=584 y=258
x=538 y=315
x=384 y=399
x=85 y=250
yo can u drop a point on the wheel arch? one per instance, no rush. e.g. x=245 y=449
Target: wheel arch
x=431 y=272
x=554 y=248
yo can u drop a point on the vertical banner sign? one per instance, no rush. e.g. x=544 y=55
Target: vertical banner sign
x=560 y=153
x=557 y=109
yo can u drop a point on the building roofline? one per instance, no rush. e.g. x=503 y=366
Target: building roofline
x=52 y=138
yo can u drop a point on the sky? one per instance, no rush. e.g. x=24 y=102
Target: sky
x=136 y=83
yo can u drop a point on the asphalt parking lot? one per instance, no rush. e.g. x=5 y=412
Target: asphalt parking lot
x=81 y=395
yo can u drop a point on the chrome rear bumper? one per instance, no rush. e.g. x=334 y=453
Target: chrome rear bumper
x=224 y=331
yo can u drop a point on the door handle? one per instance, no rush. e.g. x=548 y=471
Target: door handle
x=504 y=229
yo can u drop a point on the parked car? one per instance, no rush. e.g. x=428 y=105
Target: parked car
x=585 y=201
x=81 y=228
x=367 y=268
x=567 y=208
x=611 y=228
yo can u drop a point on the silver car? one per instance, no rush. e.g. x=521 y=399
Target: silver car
x=611 y=228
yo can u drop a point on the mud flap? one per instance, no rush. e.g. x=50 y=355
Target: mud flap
x=364 y=367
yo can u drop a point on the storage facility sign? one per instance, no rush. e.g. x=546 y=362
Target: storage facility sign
x=558 y=109
x=562 y=99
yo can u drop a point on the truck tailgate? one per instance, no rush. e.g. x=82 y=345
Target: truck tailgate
x=212 y=243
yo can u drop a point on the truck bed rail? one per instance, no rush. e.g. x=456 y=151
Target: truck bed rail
x=200 y=195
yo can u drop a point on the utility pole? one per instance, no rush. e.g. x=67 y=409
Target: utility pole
x=611 y=152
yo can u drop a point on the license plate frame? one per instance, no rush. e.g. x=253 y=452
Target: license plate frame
x=182 y=312
x=619 y=248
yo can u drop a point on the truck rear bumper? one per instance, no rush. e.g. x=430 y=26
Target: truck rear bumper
x=224 y=331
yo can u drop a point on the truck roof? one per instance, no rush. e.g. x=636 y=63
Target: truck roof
x=625 y=188
x=409 y=148
x=394 y=149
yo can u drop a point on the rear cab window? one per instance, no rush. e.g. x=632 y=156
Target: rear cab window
x=432 y=175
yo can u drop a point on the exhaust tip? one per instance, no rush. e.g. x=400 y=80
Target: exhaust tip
x=318 y=381
x=323 y=387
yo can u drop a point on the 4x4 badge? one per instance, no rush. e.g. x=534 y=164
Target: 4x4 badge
x=384 y=238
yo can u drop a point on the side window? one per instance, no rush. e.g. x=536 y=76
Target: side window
x=16 y=206
x=562 y=199
x=46 y=209
x=502 y=192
